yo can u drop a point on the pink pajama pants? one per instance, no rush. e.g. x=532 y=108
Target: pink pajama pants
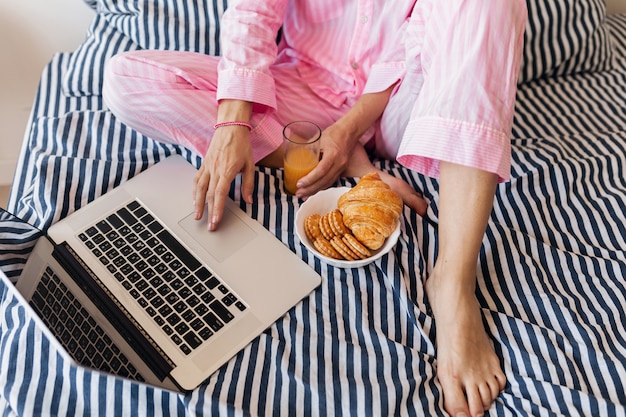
x=169 y=96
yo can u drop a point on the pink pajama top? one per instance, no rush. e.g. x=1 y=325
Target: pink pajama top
x=461 y=58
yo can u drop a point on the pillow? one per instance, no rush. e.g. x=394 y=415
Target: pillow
x=565 y=37
x=140 y=24
x=91 y=3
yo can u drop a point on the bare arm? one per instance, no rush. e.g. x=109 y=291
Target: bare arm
x=229 y=154
x=339 y=139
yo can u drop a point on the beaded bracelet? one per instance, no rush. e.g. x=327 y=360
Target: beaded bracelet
x=222 y=124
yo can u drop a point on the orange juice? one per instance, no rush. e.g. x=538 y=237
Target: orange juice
x=298 y=162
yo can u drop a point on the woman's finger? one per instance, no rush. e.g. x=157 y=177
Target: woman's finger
x=201 y=181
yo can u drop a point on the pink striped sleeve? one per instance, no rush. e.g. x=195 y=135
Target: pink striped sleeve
x=383 y=76
x=454 y=141
x=249 y=49
x=470 y=58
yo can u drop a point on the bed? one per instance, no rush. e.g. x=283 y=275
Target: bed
x=551 y=272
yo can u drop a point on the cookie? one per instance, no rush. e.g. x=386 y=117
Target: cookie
x=327 y=231
x=325 y=248
x=343 y=249
x=312 y=226
x=335 y=219
x=357 y=247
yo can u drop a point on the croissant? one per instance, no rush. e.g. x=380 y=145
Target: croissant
x=370 y=210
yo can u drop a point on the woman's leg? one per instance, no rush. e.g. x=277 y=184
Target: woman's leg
x=462 y=62
x=168 y=96
x=467 y=367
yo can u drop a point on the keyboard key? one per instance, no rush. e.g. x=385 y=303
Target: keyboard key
x=212 y=282
x=221 y=311
x=207 y=297
x=133 y=205
x=157 y=302
x=188 y=315
x=139 y=211
x=203 y=274
x=180 y=306
x=127 y=216
x=104 y=227
x=181 y=328
x=213 y=322
x=197 y=324
x=201 y=309
x=165 y=310
x=115 y=221
x=229 y=300
x=173 y=319
x=192 y=340
x=205 y=333
x=147 y=219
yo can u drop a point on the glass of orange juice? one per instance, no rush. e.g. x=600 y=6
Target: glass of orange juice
x=301 y=140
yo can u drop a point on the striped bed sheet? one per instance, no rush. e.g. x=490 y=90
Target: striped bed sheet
x=551 y=275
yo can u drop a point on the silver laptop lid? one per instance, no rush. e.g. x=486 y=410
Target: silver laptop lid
x=76 y=327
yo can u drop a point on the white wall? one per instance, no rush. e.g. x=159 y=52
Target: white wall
x=616 y=6
x=30 y=32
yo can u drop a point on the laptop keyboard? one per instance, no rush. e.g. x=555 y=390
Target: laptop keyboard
x=188 y=302
x=77 y=331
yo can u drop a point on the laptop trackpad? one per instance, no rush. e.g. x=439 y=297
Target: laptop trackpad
x=231 y=234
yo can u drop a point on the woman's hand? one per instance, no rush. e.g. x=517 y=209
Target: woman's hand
x=335 y=149
x=339 y=140
x=229 y=154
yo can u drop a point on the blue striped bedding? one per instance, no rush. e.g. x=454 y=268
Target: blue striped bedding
x=551 y=274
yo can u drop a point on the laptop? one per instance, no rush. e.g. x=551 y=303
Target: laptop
x=133 y=285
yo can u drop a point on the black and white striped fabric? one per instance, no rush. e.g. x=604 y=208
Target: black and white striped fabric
x=617 y=26
x=17 y=239
x=91 y=3
x=551 y=276
x=565 y=37
x=147 y=24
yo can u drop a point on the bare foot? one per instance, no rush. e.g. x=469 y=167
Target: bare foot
x=360 y=165
x=410 y=198
x=467 y=367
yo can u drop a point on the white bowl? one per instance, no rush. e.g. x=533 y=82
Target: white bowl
x=323 y=202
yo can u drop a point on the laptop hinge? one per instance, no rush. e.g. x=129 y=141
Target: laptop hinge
x=114 y=311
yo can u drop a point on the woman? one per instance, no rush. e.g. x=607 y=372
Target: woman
x=430 y=84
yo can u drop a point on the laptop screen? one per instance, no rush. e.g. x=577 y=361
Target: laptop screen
x=17 y=239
